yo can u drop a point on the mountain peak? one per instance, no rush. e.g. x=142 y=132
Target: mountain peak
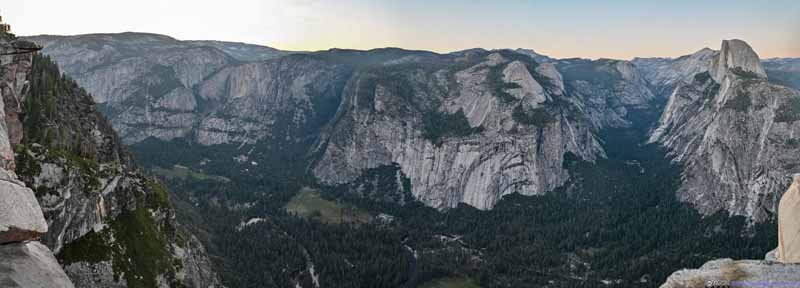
x=535 y=55
x=736 y=53
x=704 y=51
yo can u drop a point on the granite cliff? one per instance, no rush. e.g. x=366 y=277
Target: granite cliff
x=477 y=125
x=144 y=82
x=667 y=73
x=734 y=132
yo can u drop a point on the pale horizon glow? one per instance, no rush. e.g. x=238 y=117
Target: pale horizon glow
x=562 y=29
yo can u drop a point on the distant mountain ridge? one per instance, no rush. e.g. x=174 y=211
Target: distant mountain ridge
x=467 y=128
x=238 y=50
x=156 y=86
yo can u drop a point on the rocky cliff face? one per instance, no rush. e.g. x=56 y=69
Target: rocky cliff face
x=144 y=82
x=109 y=225
x=735 y=133
x=246 y=103
x=475 y=125
x=25 y=262
x=736 y=54
x=666 y=73
x=606 y=89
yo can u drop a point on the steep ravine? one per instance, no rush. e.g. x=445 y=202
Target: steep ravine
x=110 y=226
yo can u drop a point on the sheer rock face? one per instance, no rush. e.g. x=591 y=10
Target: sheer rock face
x=14 y=69
x=24 y=264
x=735 y=134
x=246 y=101
x=516 y=72
x=736 y=54
x=20 y=215
x=475 y=169
x=549 y=71
x=381 y=125
x=145 y=82
x=30 y=264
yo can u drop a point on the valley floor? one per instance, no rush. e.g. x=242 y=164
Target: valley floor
x=617 y=224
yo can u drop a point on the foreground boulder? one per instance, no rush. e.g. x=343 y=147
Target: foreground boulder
x=30 y=264
x=789 y=224
x=741 y=273
x=779 y=267
x=20 y=215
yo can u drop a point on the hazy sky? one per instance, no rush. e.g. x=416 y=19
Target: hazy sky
x=593 y=29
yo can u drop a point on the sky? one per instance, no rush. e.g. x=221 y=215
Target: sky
x=620 y=29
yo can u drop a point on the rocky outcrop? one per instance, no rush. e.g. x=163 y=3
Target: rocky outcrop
x=20 y=215
x=30 y=264
x=731 y=273
x=788 y=227
x=25 y=262
x=517 y=73
x=736 y=54
x=735 y=134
